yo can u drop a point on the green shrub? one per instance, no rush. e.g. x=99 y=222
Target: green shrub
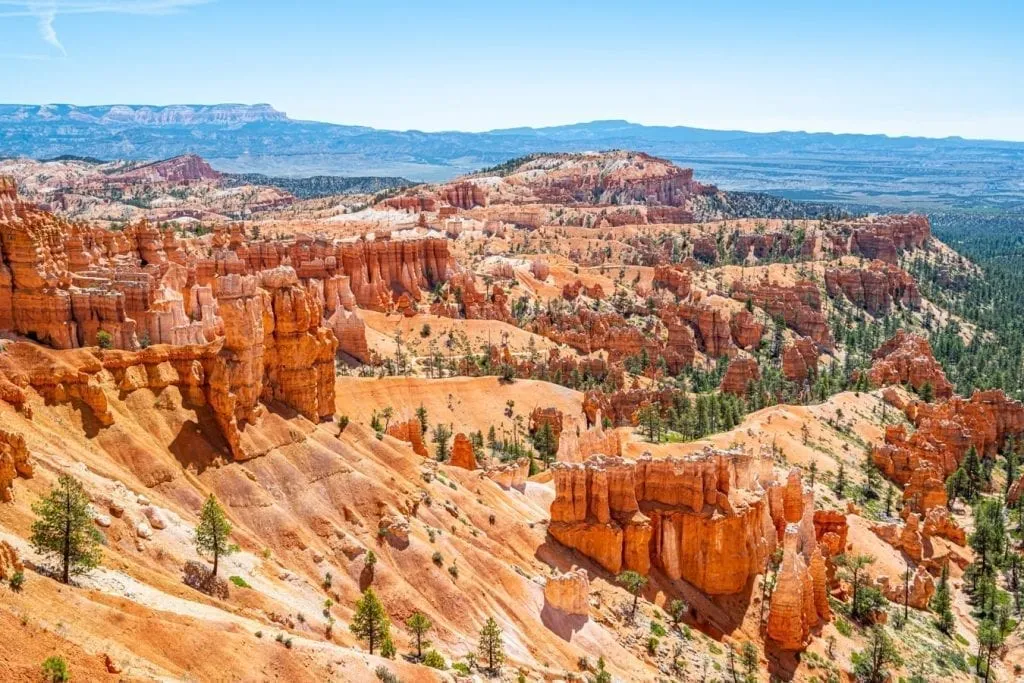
x=55 y=670
x=105 y=341
x=843 y=626
x=239 y=581
x=435 y=660
x=657 y=629
x=461 y=667
x=17 y=581
x=652 y=645
x=437 y=558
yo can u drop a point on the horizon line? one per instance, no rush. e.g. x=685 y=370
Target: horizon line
x=780 y=131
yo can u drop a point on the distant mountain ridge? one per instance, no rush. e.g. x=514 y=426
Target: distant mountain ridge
x=905 y=172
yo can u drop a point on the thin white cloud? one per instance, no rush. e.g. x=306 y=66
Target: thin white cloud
x=45 y=17
x=46 y=12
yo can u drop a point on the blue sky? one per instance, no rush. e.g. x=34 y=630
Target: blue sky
x=914 y=67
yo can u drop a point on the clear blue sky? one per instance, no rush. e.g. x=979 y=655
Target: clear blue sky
x=914 y=67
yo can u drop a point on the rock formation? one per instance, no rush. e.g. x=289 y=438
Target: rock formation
x=462 y=453
x=908 y=359
x=10 y=564
x=739 y=375
x=799 y=305
x=944 y=432
x=793 y=610
x=14 y=462
x=247 y=321
x=411 y=432
x=800 y=359
x=704 y=519
x=510 y=475
x=569 y=592
x=874 y=288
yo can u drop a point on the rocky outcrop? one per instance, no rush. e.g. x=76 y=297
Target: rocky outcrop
x=577 y=442
x=908 y=359
x=874 y=288
x=800 y=359
x=552 y=417
x=944 y=432
x=746 y=330
x=569 y=592
x=14 y=462
x=510 y=475
x=739 y=375
x=916 y=593
x=673 y=278
x=411 y=432
x=704 y=519
x=886 y=237
x=462 y=453
x=799 y=305
x=793 y=610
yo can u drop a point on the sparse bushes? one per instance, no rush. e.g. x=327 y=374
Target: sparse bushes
x=435 y=660
x=384 y=674
x=55 y=670
x=104 y=340
x=17 y=581
x=437 y=558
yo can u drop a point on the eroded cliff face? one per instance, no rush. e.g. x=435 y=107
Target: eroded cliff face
x=874 y=288
x=798 y=304
x=704 y=519
x=232 y=324
x=944 y=432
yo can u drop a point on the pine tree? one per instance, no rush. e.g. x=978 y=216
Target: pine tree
x=840 y=485
x=214 y=532
x=440 y=436
x=633 y=582
x=873 y=662
x=942 y=603
x=490 y=648
x=370 y=622
x=421 y=415
x=418 y=624
x=64 y=528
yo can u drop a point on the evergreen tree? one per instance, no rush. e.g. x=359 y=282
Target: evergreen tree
x=64 y=528
x=490 y=648
x=421 y=415
x=633 y=582
x=370 y=622
x=214 y=532
x=440 y=436
x=872 y=664
x=942 y=602
x=418 y=624
x=840 y=485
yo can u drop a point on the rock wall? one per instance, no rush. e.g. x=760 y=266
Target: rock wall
x=704 y=519
x=874 y=288
x=799 y=305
